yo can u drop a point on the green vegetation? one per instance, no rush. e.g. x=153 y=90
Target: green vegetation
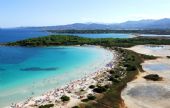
x=82 y=90
x=92 y=86
x=91 y=97
x=130 y=67
x=65 y=98
x=148 y=57
x=75 y=107
x=85 y=100
x=153 y=77
x=46 y=106
x=100 y=89
x=114 y=80
x=55 y=40
x=168 y=56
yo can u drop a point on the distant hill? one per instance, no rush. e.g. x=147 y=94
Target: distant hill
x=146 y=24
x=141 y=24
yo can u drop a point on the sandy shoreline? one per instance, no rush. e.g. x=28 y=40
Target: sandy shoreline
x=141 y=93
x=73 y=89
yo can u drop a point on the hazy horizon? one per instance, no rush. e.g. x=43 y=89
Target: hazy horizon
x=77 y=23
x=35 y=13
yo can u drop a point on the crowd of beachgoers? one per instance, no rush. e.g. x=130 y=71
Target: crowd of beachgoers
x=75 y=90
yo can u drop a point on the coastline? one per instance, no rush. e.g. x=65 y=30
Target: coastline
x=73 y=86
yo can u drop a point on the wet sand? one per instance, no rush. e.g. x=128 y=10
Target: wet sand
x=155 y=50
x=142 y=93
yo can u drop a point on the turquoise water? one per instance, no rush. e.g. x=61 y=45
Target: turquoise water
x=26 y=72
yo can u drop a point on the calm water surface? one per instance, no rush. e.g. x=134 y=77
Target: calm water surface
x=24 y=71
x=11 y=35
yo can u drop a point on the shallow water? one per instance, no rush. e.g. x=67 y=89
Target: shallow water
x=141 y=93
x=149 y=92
x=26 y=72
x=156 y=67
x=147 y=95
x=155 y=50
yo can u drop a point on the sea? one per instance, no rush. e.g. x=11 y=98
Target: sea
x=31 y=71
x=12 y=35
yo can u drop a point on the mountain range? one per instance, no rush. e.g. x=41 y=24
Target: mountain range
x=129 y=25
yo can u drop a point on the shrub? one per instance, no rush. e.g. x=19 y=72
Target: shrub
x=116 y=76
x=111 y=71
x=131 y=68
x=153 y=77
x=46 y=106
x=65 y=98
x=148 y=56
x=114 y=79
x=82 y=90
x=107 y=86
x=91 y=97
x=85 y=100
x=92 y=86
x=100 y=89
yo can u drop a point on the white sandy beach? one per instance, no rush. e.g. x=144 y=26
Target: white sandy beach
x=141 y=93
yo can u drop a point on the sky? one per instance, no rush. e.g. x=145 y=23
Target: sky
x=22 y=13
